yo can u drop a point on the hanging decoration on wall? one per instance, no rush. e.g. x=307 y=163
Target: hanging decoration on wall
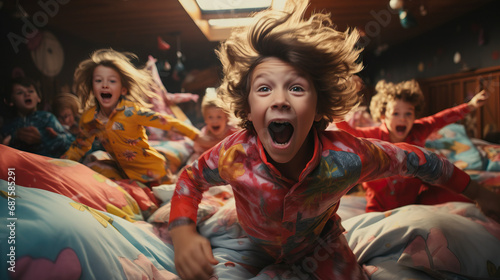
x=407 y=20
x=162 y=65
x=405 y=17
x=179 y=69
x=396 y=4
x=162 y=45
x=47 y=53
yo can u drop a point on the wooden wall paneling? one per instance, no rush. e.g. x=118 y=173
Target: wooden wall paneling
x=451 y=90
x=490 y=113
x=437 y=98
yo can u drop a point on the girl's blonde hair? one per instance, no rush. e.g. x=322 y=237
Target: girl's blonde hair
x=138 y=82
x=66 y=100
x=210 y=99
x=407 y=91
x=327 y=58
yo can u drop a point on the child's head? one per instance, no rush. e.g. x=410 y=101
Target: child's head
x=109 y=69
x=397 y=106
x=324 y=56
x=284 y=74
x=66 y=108
x=22 y=95
x=215 y=113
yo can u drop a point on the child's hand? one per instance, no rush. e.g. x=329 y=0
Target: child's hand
x=195 y=97
x=478 y=100
x=29 y=135
x=51 y=131
x=205 y=142
x=193 y=253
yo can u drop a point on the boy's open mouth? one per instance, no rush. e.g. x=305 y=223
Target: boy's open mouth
x=106 y=95
x=28 y=101
x=216 y=127
x=401 y=128
x=280 y=132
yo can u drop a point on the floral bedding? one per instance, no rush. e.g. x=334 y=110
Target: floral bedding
x=62 y=220
x=53 y=236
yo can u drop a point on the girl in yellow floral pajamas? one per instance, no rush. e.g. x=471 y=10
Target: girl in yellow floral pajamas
x=117 y=115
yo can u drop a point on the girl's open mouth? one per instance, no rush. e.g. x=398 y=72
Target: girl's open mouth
x=281 y=132
x=106 y=95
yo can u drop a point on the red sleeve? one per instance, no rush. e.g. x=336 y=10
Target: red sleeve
x=442 y=119
x=366 y=132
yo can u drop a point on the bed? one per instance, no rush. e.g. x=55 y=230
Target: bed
x=62 y=220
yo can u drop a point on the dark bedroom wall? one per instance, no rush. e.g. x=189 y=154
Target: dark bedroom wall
x=17 y=55
x=476 y=36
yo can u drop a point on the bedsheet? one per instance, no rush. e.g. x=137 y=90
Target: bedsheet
x=52 y=235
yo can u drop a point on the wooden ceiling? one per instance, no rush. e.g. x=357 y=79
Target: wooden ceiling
x=135 y=24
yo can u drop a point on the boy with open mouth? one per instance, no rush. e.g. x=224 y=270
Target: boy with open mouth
x=28 y=129
x=397 y=107
x=286 y=79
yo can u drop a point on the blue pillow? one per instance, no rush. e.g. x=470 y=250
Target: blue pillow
x=452 y=142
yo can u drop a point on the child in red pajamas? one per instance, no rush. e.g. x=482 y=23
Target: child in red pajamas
x=286 y=79
x=396 y=107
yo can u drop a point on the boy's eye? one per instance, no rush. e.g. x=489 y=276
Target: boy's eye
x=264 y=88
x=297 y=88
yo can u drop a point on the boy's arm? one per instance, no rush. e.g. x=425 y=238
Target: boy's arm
x=347 y=128
x=193 y=253
x=412 y=161
x=454 y=114
x=478 y=100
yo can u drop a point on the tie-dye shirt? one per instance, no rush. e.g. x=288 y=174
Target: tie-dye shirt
x=287 y=217
x=124 y=138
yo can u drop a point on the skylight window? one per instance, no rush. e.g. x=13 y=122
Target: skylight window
x=216 y=6
x=229 y=22
x=216 y=18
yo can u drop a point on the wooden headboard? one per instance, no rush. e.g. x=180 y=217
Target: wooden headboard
x=451 y=90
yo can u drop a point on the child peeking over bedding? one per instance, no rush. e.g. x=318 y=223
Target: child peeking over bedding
x=396 y=106
x=66 y=108
x=28 y=129
x=113 y=92
x=217 y=120
x=287 y=78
